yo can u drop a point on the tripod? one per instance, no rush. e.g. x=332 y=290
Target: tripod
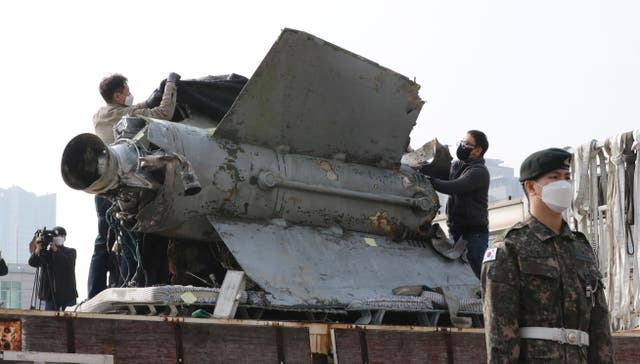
x=35 y=300
x=44 y=268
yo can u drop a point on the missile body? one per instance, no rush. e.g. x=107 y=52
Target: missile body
x=151 y=168
x=301 y=181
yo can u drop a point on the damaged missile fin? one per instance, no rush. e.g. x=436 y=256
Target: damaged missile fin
x=322 y=100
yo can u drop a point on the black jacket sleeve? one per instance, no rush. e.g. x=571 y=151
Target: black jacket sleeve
x=470 y=180
x=3 y=268
x=35 y=261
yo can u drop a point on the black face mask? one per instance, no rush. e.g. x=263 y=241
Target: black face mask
x=463 y=152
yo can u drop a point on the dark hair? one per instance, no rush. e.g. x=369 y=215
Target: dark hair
x=60 y=231
x=111 y=84
x=481 y=140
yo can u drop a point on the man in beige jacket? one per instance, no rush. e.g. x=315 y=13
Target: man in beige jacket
x=115 y=92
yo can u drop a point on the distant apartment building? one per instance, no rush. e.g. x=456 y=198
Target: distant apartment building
x=17 y=286
x=21 y=214
x=503 y=185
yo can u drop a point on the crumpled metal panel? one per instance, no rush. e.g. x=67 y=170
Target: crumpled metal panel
x=328 y=266
x=318 y=99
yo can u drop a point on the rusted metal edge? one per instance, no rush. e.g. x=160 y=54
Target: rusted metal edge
x=324 y=327
x=320 y=327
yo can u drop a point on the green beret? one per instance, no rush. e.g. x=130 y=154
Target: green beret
x=544 y=161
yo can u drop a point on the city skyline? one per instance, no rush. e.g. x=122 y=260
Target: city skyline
x=22 y=213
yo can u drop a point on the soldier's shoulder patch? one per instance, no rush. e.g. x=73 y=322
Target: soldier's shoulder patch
x=490 y=255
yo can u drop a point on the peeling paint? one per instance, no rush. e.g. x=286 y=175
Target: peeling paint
x=370 y=241
x=326 y=166
x=414 y=101
x=232 y=149
x=407 y=183
x=381 y=221
x=223 y=180
x=226 y=179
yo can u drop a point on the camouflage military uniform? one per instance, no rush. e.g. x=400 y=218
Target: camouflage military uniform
x=541 y=279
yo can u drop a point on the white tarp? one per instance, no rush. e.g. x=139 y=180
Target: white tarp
x=599 y=169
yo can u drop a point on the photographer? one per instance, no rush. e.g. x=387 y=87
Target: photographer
x=56 y=277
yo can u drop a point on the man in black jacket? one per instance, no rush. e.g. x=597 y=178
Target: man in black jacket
x=468 y=189
x=57 y=276
x=4 y=270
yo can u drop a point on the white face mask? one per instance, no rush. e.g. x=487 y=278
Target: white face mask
x=128 y=100
x=58 y=240
x=557 y=195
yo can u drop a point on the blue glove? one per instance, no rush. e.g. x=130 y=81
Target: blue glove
x=173 y=77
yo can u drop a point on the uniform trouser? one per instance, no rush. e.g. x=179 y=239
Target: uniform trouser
x=103 y=260
x=476 y=247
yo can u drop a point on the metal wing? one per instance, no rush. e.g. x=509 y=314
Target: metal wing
x=321 y=266
x=311 y=97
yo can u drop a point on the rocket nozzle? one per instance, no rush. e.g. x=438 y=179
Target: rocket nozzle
x=87 y=164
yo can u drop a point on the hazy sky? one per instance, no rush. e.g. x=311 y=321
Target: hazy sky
x=531 y=74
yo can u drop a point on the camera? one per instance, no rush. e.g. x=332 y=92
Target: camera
x=46 y=236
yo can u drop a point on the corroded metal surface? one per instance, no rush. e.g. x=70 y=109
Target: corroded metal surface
x=301 y=179
x=249 y=182
x=10 y=334
x=318 y=99
x=324 y=266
